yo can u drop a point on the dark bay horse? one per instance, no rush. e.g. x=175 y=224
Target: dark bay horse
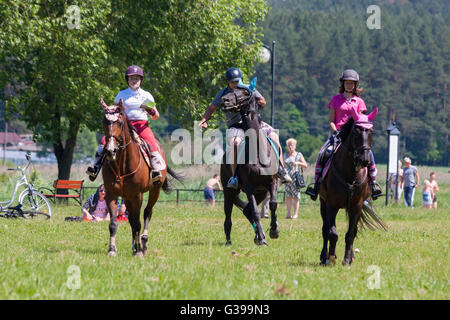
x=257 y=177
x=345 y=186
x=126 y=174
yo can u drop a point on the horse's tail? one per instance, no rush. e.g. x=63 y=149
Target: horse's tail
x=370 y=219
x=176 y=175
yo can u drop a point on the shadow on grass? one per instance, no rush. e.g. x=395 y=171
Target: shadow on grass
x=302 y=263
x=202 y=243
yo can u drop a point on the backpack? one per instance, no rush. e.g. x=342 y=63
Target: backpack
x=240 y=100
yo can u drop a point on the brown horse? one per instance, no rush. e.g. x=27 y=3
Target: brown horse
x=126 y=174
x=346 y=186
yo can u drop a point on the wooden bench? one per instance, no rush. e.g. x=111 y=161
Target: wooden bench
x=75 y=186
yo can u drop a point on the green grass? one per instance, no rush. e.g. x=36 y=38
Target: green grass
x=187 y=258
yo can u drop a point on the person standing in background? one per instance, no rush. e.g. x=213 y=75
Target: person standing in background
x=294 y=162
x=208 y=191
x=435 y=188
x=410 y=181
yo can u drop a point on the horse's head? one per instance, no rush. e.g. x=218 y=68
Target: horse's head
x=113 y=125
x=361 y=137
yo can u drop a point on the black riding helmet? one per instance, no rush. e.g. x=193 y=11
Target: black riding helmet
x=233 y=74
x=349 y=74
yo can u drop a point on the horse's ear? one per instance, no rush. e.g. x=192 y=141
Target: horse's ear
x=104 y=105
x=373 y=114
x=120 y=104
x=355 y=114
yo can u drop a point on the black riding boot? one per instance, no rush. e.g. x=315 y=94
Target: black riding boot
x=313 y=192
x=93 y=171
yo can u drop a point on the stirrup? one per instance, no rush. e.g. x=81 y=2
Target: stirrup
x=284 y=176
x=92 y=172
x=156 y=176
x=233 y=183
x=376 y=191
x=313 y=191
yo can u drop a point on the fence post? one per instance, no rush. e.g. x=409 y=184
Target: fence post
x=178 y=196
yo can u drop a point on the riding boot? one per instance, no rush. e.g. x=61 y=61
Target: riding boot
x=375 y=189
x=93 y=171
x=158 y=164
x=283 y=175
x=313 y=192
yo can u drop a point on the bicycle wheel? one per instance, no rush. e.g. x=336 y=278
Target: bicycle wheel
x=35 y=205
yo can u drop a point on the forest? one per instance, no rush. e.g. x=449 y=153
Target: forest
x=401 y=51
x=404 y=69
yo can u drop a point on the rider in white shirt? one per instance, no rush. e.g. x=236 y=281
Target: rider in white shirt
x=138 y=104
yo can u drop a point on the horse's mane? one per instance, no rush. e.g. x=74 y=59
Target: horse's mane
x=346 y=129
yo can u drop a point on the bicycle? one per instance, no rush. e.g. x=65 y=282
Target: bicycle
x=32 y=204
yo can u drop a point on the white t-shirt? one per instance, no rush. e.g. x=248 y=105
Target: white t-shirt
x=132 y=100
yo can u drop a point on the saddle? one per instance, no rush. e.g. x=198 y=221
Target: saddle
x=144 y=148
x=326 y=161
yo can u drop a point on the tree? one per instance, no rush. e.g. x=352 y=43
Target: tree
x=58 y=64
x=62 y=56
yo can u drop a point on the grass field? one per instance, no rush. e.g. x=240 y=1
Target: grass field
x=187 y=258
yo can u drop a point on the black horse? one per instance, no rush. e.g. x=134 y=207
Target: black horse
x=346 y=186
x=257 y=177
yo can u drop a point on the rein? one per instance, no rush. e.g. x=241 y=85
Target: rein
x=352 y=153
x=112 y=117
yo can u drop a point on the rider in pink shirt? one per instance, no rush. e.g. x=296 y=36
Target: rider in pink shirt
x=341 y=107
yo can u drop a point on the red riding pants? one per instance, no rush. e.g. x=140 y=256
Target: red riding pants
x=144 y=132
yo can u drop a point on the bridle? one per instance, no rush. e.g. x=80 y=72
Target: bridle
x=354 y=151
x=113 y=116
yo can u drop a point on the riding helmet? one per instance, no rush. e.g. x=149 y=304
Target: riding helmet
x=133 y=70
x=349 y=74
x=233 y=74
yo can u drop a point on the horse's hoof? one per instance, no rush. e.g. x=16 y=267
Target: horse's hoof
x=112 y=253
x=332 y=260
x=138 y=254
x=347 y=262
x=274 y=234
x=228 y=243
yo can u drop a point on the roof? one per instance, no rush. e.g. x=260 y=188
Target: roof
x=11 y=137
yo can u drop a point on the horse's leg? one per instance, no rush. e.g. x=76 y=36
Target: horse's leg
x=273 y=204
x=353 y=218
x=324 y=254
x=332 y=232
x=260 y=238
x=134 y=207
x=228 y=208
x=113 y=226
x=148 y=211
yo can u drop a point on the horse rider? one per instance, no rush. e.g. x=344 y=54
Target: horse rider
x=138 y=104
x=340 y=108
x=235 y=132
